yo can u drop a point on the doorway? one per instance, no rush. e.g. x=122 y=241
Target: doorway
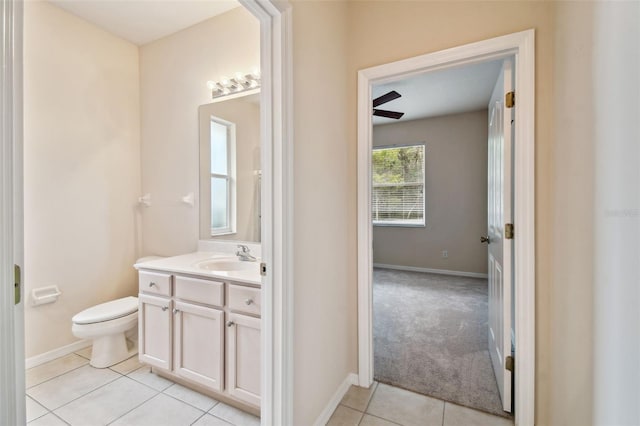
x=520 y=46
x=276 y=119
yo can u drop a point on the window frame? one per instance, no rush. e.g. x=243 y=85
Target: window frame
x=400 y=224
x=230 y=178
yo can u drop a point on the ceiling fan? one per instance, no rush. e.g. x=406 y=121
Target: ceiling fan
x=387 y=97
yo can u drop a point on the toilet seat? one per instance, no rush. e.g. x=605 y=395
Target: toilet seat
x=107 y=311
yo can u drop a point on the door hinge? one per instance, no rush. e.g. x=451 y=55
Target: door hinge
x=510 y=363
x=263 y=269
x=510 y=99
x=508 y=231
x=17 y=281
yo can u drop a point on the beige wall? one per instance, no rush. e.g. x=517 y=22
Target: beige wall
x=173 y=75
x=415 y=28
x=455 y=195
x=570 y=304
x=81 y=169
x=324 y=210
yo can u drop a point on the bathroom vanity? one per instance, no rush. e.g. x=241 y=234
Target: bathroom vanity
x=199 y=322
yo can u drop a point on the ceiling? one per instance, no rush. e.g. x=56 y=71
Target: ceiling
x=449 y=91
x=143 y=21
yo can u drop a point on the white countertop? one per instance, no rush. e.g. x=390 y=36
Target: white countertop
x=186 y=264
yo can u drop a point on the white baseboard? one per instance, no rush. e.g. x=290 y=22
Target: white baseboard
x=323 y=418
x=56 y=353
x=431 y=271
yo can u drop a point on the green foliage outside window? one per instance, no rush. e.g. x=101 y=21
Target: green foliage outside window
x=398 y=185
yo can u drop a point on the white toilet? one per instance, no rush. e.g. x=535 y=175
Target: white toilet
x=106 y=324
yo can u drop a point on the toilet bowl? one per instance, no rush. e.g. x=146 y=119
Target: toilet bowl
x=106 y=325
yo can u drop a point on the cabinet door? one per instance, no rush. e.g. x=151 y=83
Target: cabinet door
x=243 y=358
x=199 y=343
x=154 y=342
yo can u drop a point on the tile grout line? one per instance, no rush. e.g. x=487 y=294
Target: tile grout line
x=189 y=404
x=85 y=394
x=444 y=409
x=75 y=399
x=369 y=403
x=137 y=406
x=54 y=377
x=196 y=420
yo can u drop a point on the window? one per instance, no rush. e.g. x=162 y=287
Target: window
x=398 y=186
x=222 y=178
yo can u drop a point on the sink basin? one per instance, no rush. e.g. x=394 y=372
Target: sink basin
x=226 y=265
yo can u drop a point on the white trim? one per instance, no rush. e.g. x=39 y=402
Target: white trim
x=431 y=270
x=12 y=383
x=325 y=415
x=36 y=360
x=520 y=45
x=277 y=206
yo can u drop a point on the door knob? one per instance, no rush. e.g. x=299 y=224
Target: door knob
x=230 y=323
x=485 y=240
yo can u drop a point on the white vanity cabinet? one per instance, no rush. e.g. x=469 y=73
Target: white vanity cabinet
x=198 y=331
x=206 y=331
x=243 y=343
x=154 y=319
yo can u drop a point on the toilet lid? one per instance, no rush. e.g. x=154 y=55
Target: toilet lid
x=107 y=311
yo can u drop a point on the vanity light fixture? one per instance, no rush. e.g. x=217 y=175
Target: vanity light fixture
x=239 y=83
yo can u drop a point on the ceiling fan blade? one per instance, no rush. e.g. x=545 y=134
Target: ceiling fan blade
x=388 y=114
x=387 y=97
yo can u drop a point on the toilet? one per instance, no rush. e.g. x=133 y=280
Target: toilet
x=107 y=325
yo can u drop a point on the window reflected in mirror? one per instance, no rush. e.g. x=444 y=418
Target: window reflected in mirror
x=222 y=145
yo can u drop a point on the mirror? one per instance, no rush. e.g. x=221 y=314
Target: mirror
x=230 y=171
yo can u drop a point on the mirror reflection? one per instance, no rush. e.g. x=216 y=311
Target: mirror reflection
x=230 y=171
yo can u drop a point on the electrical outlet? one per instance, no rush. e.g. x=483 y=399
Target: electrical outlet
x=445 y=254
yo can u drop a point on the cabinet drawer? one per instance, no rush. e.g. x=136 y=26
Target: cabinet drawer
x=154 y=282
x=199 y=291
x=244 y=299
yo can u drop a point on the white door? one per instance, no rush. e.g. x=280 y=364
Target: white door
x=500 y=247
x=198 y=344
x=154 y=328
x=243 y=358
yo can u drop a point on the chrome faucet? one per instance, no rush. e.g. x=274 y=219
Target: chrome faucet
x=244 y=255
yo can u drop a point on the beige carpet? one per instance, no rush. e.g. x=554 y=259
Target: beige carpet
x=430 y=336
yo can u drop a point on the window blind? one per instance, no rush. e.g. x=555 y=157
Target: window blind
x=398 y=185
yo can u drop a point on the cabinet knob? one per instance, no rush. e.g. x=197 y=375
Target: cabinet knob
x=164 y=308
x=151 y=284
x=248 y=301
x=230 y=323
x=175 y=311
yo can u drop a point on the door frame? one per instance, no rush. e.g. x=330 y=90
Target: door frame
x=275 y=18
x=521 y=45
x=276 y=123
x=12 y=378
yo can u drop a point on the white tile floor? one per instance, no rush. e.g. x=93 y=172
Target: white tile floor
x=68 y=391
x=383 y=405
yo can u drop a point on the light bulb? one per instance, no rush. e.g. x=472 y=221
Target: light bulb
x=240 y=78
x=256 y=73
x=211 y=84
x=224 y=81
